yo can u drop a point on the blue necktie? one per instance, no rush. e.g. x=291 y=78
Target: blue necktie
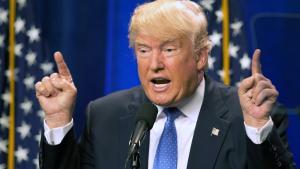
x=166 y=152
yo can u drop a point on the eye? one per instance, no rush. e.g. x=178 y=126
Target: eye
x=143 y=52
x=170 y=51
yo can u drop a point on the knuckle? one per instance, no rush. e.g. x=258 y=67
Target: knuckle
x=245 y=81
x=46 y=78
x=262 y=84
x=53 y=75
x=40 y=87
x=276 y=93
x=37 y=84
x=256 y=75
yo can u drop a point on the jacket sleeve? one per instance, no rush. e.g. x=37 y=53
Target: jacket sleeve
x=274 y=152
x=62 y=156
x=69 y=154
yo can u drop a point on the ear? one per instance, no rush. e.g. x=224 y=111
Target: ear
x=202 y=59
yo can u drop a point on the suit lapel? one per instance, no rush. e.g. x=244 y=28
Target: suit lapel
x=126 y=123
x=210 y=130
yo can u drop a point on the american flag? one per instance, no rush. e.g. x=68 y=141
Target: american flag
x=240 y=62
x=30 y=65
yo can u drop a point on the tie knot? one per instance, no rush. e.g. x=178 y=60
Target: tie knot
x=172 y=113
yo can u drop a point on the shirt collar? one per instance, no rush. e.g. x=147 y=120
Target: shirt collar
x=190 y=107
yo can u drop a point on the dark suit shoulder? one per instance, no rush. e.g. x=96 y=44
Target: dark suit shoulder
x=228 y=92
x=124 y=96
x=117 y=104
x=228 y=97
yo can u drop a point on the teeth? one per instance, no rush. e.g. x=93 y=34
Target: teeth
x=160 y=85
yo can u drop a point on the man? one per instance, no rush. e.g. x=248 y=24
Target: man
x=215 y=126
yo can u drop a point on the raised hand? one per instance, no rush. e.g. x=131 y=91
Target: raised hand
x=57 y=94
x=257 y=95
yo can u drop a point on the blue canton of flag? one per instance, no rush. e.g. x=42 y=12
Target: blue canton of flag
x=240 y=62
x=30 y=66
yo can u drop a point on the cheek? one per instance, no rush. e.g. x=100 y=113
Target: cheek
x=142 y=71
x=186 y=77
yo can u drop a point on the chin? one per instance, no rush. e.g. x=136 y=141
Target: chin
x=160 y=100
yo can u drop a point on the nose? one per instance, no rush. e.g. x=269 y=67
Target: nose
x=156 y=61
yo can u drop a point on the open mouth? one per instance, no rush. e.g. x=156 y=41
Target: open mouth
x=160 y=81
x=160 y=84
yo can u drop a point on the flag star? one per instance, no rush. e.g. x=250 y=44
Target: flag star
x=36 y=162
x=4 y=121
x=47 y=67
x=3 y=146
x=207 y=4
x=24 y=130
x=30 y=58
x=236 y=27
x=2 y=40
x=18 y=49
x=21 y=3
x=8 y=73
x=19 y=25
x=221 y=73
x=211 y=61
x=21 y=154
x=215 y=38
x=219 y=15
x=3 y=16
x=2 y=166
x=245 y=61
x=29 y=82
x=33 y=34
x=38 y=137
x=41 y=114
x=26 y=106
x=6 y=97
x=233 y=50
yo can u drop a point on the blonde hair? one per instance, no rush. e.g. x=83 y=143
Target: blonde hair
x=169 y=20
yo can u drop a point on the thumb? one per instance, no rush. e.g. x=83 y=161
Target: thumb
x=246 y=85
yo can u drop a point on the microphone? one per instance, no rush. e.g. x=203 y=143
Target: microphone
x=145 y=118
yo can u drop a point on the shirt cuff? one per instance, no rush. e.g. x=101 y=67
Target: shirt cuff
x=55 y=136
x=259 y=135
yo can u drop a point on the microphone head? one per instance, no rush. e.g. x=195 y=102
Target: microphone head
x=147 y=112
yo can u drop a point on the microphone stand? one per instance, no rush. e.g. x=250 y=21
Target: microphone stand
x=135 y=162
x=134 y=154
x=135 y=158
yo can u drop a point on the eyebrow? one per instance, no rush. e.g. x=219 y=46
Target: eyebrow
x=141 y=44
x=175 y=41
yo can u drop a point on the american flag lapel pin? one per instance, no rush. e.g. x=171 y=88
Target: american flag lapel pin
x=215 y=131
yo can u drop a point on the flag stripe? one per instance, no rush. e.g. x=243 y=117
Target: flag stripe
x=11 y=144
x=226 y=58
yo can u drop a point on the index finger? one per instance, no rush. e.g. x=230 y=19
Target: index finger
x=256 y=66
x=62 y=67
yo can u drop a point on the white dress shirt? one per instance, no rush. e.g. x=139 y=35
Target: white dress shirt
x=185 y=126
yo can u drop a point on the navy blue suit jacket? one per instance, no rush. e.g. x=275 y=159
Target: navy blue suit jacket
x=110 y=121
